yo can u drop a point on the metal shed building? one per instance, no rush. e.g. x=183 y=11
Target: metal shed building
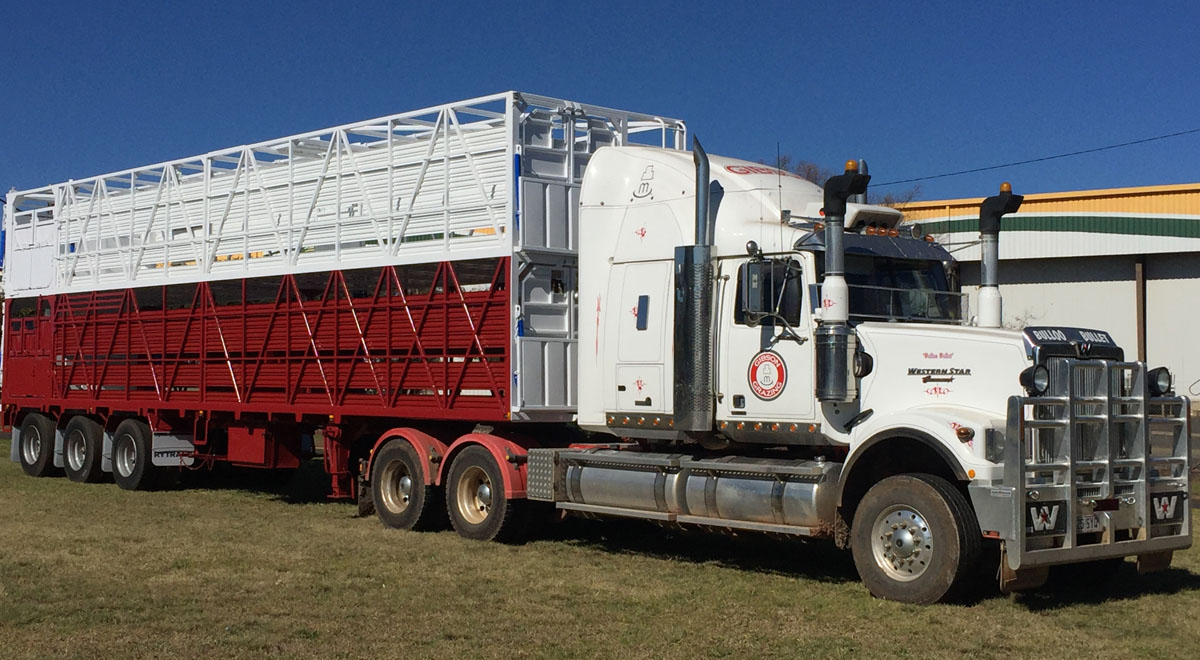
x=1125 y=260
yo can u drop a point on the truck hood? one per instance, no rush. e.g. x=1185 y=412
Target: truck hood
x=924 y=365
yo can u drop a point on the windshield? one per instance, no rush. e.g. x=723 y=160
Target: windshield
x=891 y=289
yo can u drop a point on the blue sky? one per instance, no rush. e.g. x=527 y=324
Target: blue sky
x=916 y=88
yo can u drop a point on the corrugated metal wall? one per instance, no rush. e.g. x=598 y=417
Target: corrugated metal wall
x=1071 y=259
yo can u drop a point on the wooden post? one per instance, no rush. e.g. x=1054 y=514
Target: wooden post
x=1139 y=276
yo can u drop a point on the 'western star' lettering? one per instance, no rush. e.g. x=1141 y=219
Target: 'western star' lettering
x=938 y=371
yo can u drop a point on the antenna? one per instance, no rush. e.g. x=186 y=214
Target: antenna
x=779 y=175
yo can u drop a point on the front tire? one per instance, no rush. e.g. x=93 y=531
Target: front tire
x=476 y=502
x=132 y=466
x=915 y=539
x=37 y=446
x=82 y=443
x=402 y=498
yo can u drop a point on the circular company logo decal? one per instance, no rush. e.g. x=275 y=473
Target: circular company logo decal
x=767 y=375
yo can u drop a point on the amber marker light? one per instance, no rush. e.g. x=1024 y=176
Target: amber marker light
x=1006 y=187
x=970 y=474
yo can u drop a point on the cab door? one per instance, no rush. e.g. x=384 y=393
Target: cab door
x=765 y=356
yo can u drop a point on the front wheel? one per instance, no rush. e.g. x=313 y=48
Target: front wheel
x=915 y=539
x=476 y=502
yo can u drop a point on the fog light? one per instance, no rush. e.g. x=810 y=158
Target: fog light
x=1036 y=379
x=1159 y=381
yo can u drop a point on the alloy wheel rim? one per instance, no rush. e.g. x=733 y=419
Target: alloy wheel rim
x=902 y=543
x=31 y=445
x=396 y=487
x=125 y=457
x=474 y=495
x=75 y=451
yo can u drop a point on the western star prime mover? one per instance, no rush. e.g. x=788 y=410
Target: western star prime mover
x=511 y=305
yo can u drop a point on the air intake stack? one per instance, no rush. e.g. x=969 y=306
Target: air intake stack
x=835 y=338
x=991 y=307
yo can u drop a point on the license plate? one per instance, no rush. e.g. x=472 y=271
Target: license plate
x=1087 y=524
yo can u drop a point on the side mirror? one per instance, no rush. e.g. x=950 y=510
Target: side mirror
x=752 y=275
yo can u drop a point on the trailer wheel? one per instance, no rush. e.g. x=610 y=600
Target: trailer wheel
x=402 y=498
x=915 y=539
x=37 y=446
x=82 y=443
x=476 y=502
x=131 y=462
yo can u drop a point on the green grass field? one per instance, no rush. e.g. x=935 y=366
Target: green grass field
x=91 y=571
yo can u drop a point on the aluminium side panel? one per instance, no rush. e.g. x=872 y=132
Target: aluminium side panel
x=555 y=141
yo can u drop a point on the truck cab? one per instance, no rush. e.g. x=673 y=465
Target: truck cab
x=1042 y=441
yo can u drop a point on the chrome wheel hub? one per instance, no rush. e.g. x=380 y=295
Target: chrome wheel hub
x=396 y=487
x=473 y=495
x=903 y=545
x=31 y=445
x=75 y=451
x=125 y=457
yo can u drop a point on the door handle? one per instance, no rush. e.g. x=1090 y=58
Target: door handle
x=644 y=402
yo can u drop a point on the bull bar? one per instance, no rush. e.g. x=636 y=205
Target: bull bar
x=1095 y=468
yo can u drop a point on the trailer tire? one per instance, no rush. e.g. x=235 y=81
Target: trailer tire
x=476 y=502
x=83 y=441
x=399 y=492
x=132 y=466
x=915 y=539
x=37 y=446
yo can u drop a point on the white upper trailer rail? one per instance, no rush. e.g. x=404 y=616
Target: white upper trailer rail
x=428 y=185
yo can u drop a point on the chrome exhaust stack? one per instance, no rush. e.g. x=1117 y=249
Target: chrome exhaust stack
x=835 y=342
x=693 y=356
x=991 y=307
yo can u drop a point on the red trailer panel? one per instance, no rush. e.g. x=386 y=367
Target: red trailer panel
x=427 y=341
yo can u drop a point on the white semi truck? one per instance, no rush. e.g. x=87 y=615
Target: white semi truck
x=507 y=305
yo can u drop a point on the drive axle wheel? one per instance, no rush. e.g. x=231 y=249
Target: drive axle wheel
x=82 y=442
x=37 y=446
x=131 y=462
x=402 y=498
x=476 y=502
x=915 y=539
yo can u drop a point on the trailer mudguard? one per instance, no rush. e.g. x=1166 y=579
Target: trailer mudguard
x=509 y=455
x=431 y=450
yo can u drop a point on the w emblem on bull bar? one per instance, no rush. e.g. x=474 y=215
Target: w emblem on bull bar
x=1044 y=519
x=1165 y=506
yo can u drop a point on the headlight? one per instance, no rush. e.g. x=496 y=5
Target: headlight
x=1036 y=379
x=1159 y=381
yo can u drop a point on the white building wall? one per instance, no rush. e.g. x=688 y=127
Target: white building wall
x=1091 y=292
x=1172 y=317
